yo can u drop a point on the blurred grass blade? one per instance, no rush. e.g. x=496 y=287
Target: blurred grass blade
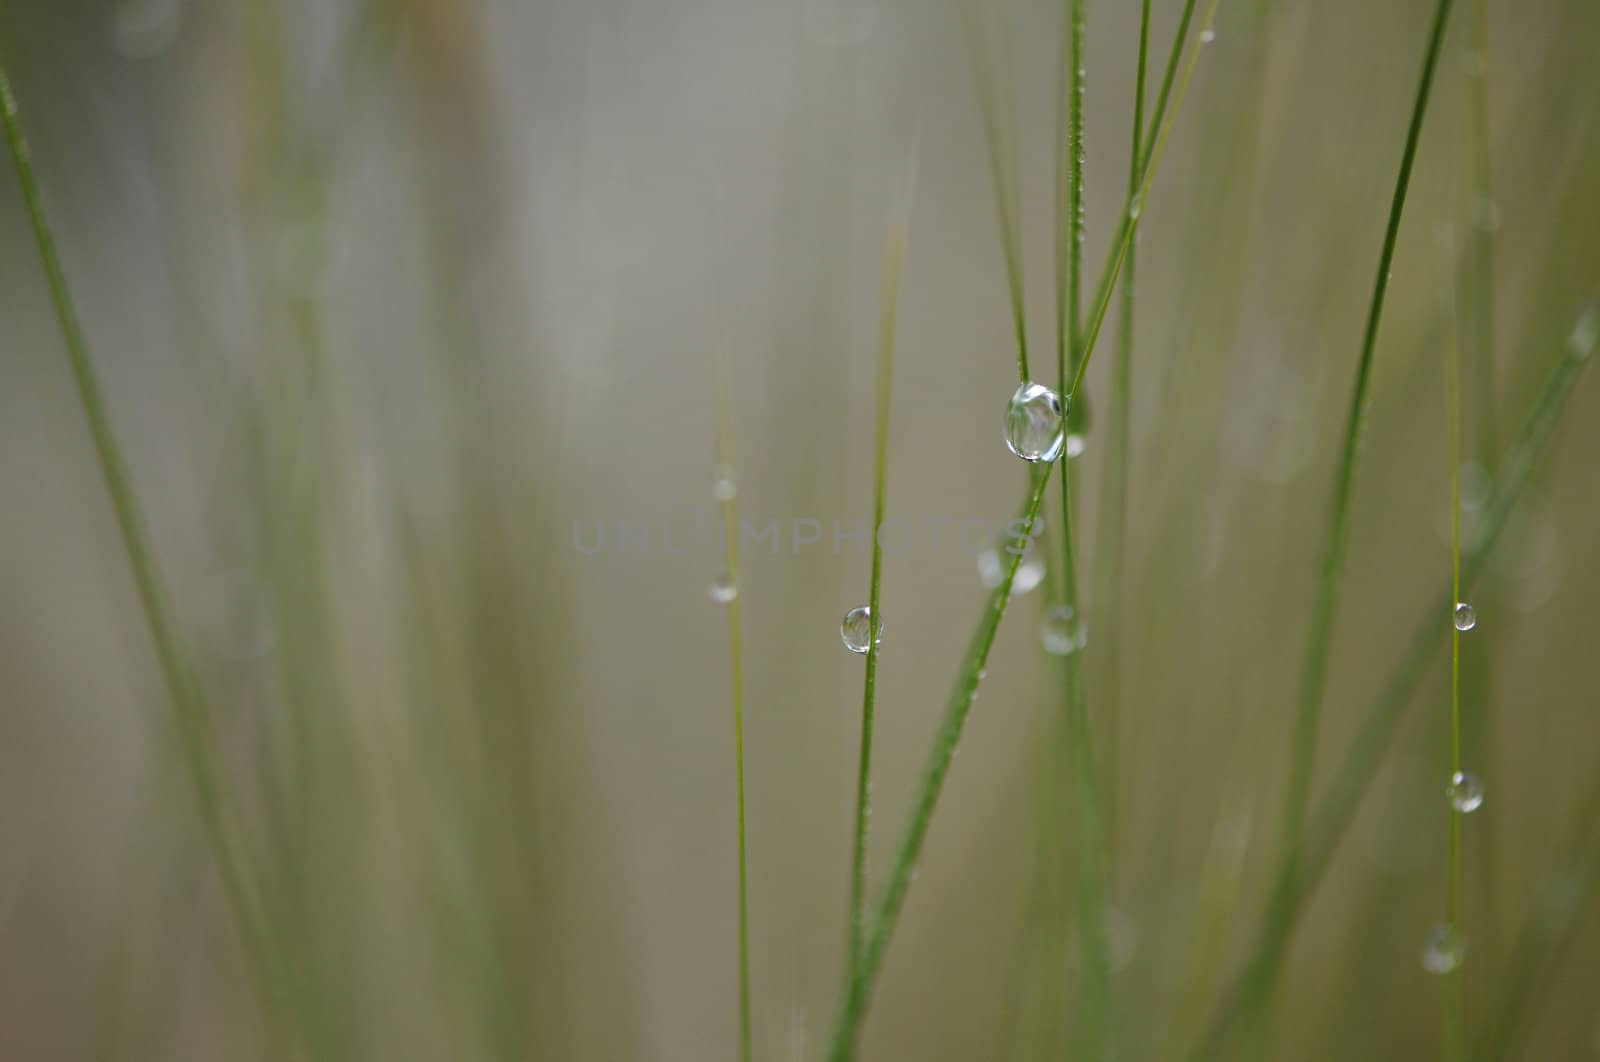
x=189 y=710
x=1550 y=931
x=1299 y=872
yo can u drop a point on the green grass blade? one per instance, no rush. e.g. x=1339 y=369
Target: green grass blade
x=1089 y=1028
x=886 y=913
x=1109 y=543
x=1299 y=872
x=894 y=251
x=1302 y=755
x=1452 y=402
x=725 y=467
x=990 y=75
x=1117 y=253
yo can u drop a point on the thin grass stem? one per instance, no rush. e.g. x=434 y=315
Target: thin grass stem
x=1452 y=401
x=728 y=496
x=894 y=249
x=1109 y=543
x=1117 y=253
x=986 y=48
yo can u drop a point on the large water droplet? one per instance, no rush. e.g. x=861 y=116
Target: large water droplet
x=1465 y=792
x=857 y=630
x=1062 y=632
x=994 y=557
x=1035 y=423
x=723 y=589
x=1464 y=616
x=1443 y=949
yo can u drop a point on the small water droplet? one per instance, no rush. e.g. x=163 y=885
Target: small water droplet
x=1443 y=949
x=1207 y=36
x=723 y=589
x=857 y=630
x=1135 y=208
x=724 y=488
x=1465 y=792
x=1465 y=616
x=1062 y=633
x=1076 y=444
x=992 y=565
x=1035 y=422
x=1586 y=333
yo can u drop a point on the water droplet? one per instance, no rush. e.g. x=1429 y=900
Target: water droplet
x=1207 y=35
x=1465 y=616
x=992 y=565
x=724 y=487
x=1443 y=949
x=1135 y=208
x=723 y=589
x=1035 y=423
x=857 y=630
x=1465 y=792
x=1586 y=333
x=1062 y=633
x=1076 y=444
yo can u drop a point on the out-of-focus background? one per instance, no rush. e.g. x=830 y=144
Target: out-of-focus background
x=406 y=313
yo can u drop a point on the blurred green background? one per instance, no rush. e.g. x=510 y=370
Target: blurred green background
x=397 y=303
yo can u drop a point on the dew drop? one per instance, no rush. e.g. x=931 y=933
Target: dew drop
x=723 y=589
x=1586 y=333
x=1035 y=423
x=724 y=488
x=1443 y=949
x=1207 y=36
x=1076 y=444
x=1465 y=616
x=1135 y=208
x=1062 y=633
x=992 y=565
x=857 y=630
x=1465 y=792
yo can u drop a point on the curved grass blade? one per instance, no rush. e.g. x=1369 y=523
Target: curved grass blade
x=1302 y=755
